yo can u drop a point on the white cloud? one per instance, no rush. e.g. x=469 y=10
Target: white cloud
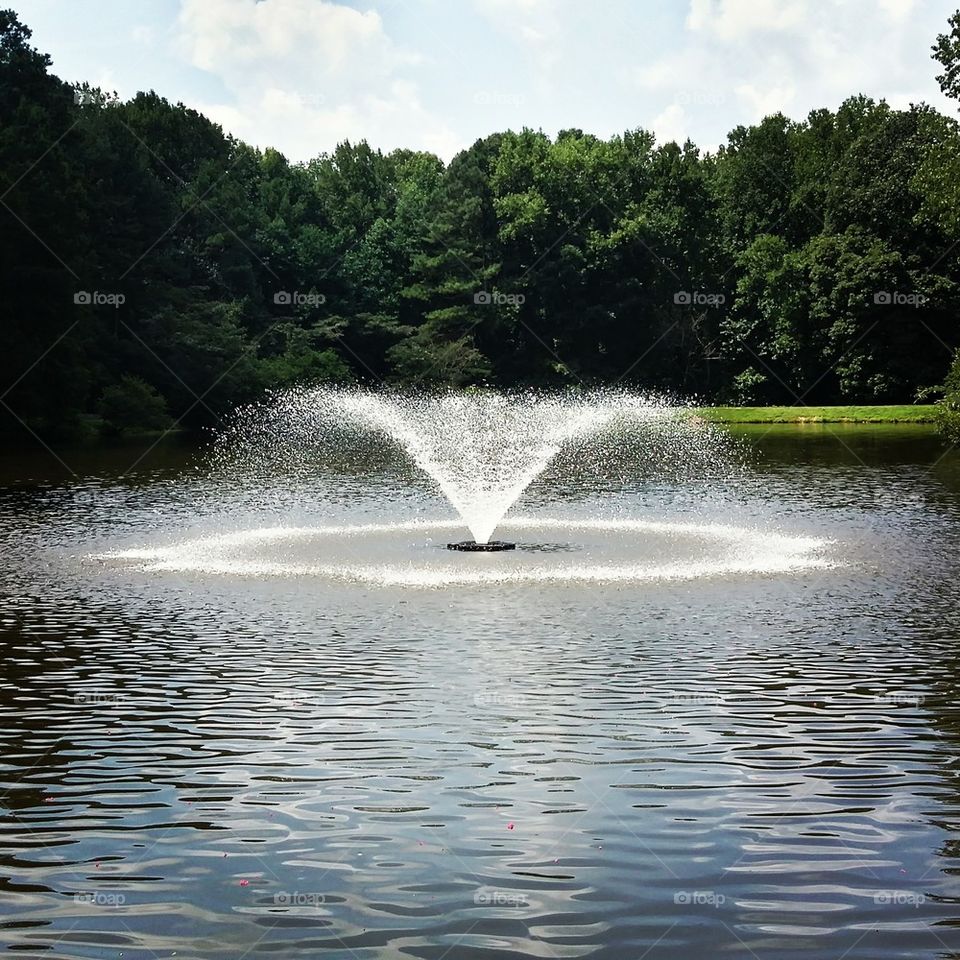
x=762 y=102
x=898 y=10
x=736 y=19
x=671 y=124
x=792 y=56
x=143 y=35
x=106 y=80
x=308 y=39
x=306 y=74
x=536 y=25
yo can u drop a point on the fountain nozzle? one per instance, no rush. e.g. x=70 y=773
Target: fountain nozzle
x=471 y=546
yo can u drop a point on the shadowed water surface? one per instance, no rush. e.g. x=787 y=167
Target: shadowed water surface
x=277 y=762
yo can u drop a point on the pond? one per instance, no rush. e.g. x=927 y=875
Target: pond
x=316 y=744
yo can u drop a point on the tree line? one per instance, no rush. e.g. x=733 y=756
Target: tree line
x=156 y=271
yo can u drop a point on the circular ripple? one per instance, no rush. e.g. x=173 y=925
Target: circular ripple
x=405 y=553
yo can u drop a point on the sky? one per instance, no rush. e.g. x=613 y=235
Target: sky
x=303 y=75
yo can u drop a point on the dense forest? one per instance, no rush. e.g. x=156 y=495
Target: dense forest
x=156 y=271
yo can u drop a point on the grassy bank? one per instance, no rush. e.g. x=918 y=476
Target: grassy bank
x=906 y=413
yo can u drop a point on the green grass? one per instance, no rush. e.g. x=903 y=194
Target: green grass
x=905 y=413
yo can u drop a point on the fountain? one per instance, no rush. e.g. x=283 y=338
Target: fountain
x=325 y=451
x=484 y=449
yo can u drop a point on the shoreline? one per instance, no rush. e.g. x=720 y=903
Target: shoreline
x=865 y=414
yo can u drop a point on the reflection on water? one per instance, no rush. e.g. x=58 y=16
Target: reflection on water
x=414 y=554
x=758 y=765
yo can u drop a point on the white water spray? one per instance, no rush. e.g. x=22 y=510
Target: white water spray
x=483 y=450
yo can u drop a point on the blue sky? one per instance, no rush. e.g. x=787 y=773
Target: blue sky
x=301 y=75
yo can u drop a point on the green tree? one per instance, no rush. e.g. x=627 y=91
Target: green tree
x=132 y=405
x=946 y=51
x=44 y=244
x=153 y=266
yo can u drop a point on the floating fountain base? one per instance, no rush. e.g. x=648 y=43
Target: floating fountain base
x=471 y=546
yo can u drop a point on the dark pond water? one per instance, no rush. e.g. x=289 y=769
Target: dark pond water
x=207 y=758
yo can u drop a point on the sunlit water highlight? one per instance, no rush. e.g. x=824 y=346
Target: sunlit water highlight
x=629 y=550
